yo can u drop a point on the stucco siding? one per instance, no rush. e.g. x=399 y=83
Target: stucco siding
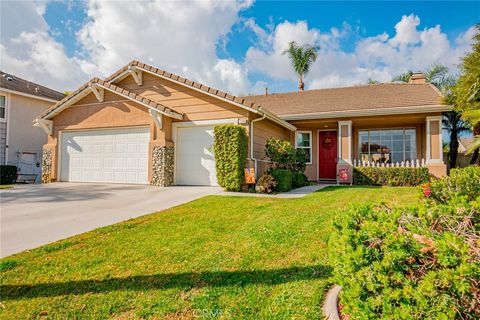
x=416 y=121
x=22 y=135
x=263 y=131
x=193 y=104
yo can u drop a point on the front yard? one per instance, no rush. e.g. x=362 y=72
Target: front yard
x=217 y=257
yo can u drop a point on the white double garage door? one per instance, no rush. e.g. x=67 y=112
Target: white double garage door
x=121 y=156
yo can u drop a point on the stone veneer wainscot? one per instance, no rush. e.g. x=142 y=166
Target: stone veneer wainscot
x=162 y=166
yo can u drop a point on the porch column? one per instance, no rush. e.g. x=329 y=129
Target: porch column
x=344 y=162
x=434 y=146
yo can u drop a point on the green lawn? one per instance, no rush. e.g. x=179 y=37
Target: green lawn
x=218 y=257
x=5 y=186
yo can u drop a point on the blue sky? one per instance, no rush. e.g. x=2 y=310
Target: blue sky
x=235 y=46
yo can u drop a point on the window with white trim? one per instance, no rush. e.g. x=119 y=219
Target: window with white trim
x=303 y=141
x=2 y=107
x=387 y=145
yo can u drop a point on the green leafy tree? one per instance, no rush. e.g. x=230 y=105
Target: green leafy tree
x=403 y=77
x=301 y=58
x=456 y=127
x=467 y=92
x=372 y=81
x=437 y=74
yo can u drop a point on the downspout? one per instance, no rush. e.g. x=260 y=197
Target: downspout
x=251 y=142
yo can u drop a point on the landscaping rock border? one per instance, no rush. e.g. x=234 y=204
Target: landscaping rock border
x=330 y=306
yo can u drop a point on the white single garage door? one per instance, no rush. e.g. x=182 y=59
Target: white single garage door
x=108 y=156
x=195 y=164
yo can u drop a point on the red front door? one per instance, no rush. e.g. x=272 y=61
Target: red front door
x=327 y=155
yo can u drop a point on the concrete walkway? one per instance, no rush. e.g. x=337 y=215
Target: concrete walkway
x=34 y=215
x=295 y=193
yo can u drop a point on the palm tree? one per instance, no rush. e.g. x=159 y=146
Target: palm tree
x=453 y=123
x=403 y=77
x=301 y=58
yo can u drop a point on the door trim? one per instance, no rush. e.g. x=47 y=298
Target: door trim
x=60 y=143
x=189 y=124
x=318 y=149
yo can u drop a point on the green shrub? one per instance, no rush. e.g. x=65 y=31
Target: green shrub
x=396 y=176
x=411 y=263
x=298 y=179
x=230 y=148
x=461 y=182
x=284 y=156
x=283 y=177
x=8 y=174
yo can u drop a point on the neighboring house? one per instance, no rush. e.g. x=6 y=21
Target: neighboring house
x=464 y=144
x=145 y=125
x=463 y=159
x=20 y=102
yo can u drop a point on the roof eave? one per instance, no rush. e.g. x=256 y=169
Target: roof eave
x=368 y=112
x=86 y=89
x=20 y=93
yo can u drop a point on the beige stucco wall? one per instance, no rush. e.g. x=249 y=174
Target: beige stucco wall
x=22 y=135
x=416 y=121
x=193 y=104
x=117 y=112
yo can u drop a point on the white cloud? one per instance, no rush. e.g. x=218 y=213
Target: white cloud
x=182 y=37
x=178 y=36
x=378 y=57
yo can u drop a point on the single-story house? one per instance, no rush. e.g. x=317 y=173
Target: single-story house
x=20 y=103
x=147 y=126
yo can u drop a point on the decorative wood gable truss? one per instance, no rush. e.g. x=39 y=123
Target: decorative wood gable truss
x=98 y=87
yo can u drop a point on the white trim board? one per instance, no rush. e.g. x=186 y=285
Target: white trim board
x=368 y=112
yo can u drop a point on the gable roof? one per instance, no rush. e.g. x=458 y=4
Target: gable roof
x=86 y=89
x=13 y=83
x=374 y=99
x=242 y=102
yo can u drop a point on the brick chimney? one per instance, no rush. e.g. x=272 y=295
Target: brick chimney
x=418 y=78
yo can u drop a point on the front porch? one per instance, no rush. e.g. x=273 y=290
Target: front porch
x=337 y=145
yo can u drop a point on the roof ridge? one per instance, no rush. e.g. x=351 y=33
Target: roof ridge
x=343 y=87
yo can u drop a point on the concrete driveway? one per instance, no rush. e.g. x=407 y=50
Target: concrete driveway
x=34 y=215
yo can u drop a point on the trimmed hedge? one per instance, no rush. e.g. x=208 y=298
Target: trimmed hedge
x=383 y=176
x=420 y=262
x=8 y=174
x=283 y=178
x=230 y=149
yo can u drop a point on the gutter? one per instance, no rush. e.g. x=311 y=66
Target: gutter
x=367 y=112
x=255 y=160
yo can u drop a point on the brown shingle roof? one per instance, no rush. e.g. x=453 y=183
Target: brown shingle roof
x=137 y=97
x=14 y=83
x=377 y=96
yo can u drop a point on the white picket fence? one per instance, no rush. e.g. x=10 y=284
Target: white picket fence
x=404 y=164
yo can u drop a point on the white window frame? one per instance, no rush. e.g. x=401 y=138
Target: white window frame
x=302 y=147
x=392 y=128
x=4 y=119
